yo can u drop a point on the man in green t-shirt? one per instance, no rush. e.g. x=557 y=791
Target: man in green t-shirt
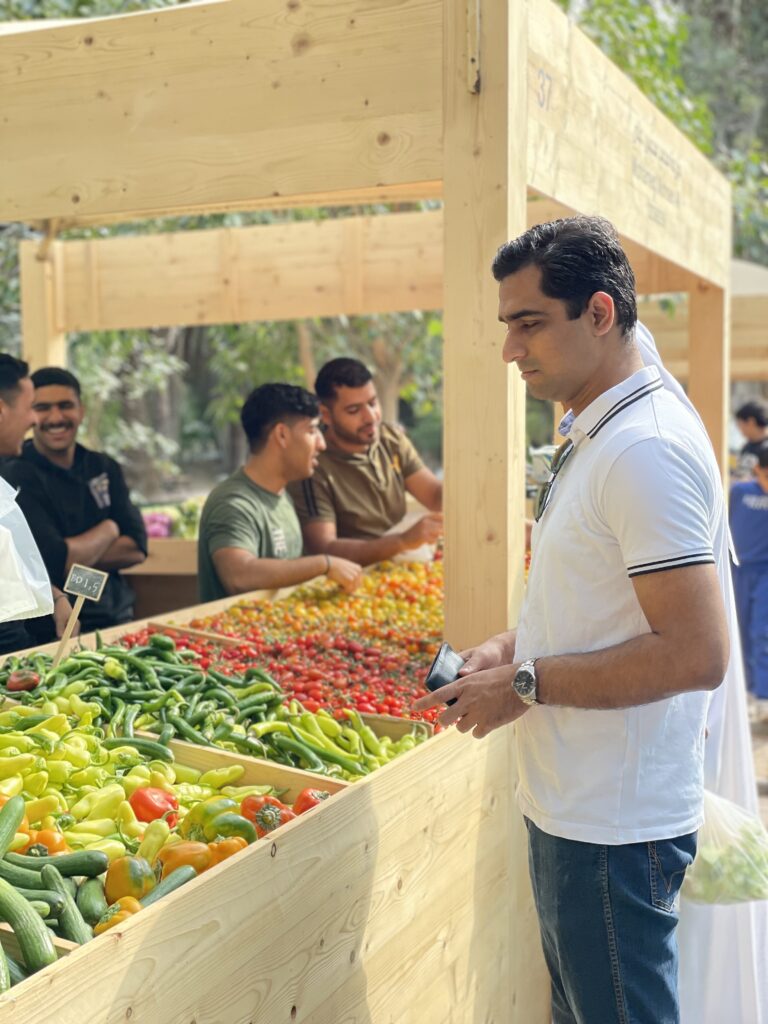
x=250 y=538
x=358 y=492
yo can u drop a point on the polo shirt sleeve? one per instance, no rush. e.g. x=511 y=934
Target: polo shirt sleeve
x=123 y=511
x=233 y=526
x=35 y=503
x=656 y=502
x=312 y=498
x=410 y=460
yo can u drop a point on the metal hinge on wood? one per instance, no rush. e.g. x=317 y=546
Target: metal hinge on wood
x=473 y=45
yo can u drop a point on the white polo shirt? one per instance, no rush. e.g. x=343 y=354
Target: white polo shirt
x=640 y=493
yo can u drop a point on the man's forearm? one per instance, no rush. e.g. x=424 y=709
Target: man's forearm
x=639 y=671
x=89 y=547
x=366 y=552
x=273 y=573
x=121 y=554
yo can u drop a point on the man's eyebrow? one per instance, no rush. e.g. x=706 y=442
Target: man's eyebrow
x=521 y=313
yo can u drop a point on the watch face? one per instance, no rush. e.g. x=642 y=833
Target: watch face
x=525 y=682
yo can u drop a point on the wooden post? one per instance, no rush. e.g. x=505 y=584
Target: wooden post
x=43 y=343
x=73 y=617
x=709 y=363
x=484 y=112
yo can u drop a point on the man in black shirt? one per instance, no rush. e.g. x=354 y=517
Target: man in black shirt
x=16 y=417
x=752 y=421
x=76 y=501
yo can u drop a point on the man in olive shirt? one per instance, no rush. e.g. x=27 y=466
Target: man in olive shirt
x=358 y=491
x=250 y=538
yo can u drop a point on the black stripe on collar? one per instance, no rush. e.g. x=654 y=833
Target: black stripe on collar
x=624 y=403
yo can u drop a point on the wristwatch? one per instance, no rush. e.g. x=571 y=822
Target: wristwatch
x=525 y=683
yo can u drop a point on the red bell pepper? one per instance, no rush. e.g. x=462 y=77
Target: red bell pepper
x=22 y=679
x=266 y=812
x=309 y=798
x=150 y=803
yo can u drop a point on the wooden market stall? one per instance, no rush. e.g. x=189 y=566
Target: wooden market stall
x=387 y=905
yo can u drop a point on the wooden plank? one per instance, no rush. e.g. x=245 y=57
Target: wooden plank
x=485 y=205
x=172 y=556
x=350 y=265
x=281 y=100
x=43 y=340
x=351 y=912
x=709 y=358
x=655 y=186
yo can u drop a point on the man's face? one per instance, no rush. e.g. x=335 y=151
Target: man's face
x=556 y=356
x=354 y=415
x=751 y=429
x=59 y=414
x=16 y=417
x=305 y=442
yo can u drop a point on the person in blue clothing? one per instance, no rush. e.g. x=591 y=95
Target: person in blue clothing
x=749 y=527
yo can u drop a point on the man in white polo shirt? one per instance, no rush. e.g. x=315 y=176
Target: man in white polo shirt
x=621 y=635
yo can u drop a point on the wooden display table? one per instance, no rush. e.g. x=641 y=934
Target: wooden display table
x=167 y=579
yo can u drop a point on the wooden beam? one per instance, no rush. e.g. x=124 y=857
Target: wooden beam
x=213 y=105
x=709 y=356
x=353 y=265
x=597 y=144
x=484 y=420
x=43 y=341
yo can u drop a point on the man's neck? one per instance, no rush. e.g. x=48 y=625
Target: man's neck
x=264 y=475
x=618 y=370
x=64 y=459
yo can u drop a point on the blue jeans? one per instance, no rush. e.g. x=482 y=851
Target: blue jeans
x=750 y=585
x=608 y=916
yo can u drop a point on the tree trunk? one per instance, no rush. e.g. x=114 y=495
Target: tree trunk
x=306 y=353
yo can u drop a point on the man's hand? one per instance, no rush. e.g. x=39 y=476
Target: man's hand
x=496 y=651
x=484 y=701
x=426 y=530
x=347 y=574
x=62 y=609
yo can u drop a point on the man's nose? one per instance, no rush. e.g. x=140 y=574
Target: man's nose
x=513 y=349
x=320 y=444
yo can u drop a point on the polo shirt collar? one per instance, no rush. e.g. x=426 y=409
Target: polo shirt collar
x=605 y=407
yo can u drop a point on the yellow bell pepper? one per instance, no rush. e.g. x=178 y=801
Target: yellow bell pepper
x=219 y=777
x=95 y=827
x=35 y=783
x=11 y=786
x=112 y=847
x=118 y=913
x=128 y=823
x=58 y=724
x=37 y=809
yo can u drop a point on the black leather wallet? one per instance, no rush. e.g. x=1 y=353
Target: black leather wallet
x=444 y=669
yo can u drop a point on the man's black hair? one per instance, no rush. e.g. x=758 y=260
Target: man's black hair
x=274 y=403
x=756 y=410
x=577 y=256
x=340 y=373
x=12 y=372
x=762 y=455
x=55 y=375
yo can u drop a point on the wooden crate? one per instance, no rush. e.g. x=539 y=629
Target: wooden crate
x=390 y=903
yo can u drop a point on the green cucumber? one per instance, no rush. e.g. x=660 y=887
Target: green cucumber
x=16 y=971
x=173 y=881
x=20 y=877
x=72 y=926
x=53 y=900
x=5 y=972
x=91 y=900
x=10 y=818
x=150 y=748
x=84 y=862
x=35 y=943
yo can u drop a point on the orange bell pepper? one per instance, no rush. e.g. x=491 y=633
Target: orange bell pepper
x=117 y=913
x=200 y=856
x=50 y=838
x=128 y=876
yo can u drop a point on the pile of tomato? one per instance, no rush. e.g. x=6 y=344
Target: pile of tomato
x=369 y=650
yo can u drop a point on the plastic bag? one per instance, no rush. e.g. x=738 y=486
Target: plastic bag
x=731 y=863
x=25 y=589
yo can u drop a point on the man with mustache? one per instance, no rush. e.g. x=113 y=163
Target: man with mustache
x=76 y=501
x=358 y=492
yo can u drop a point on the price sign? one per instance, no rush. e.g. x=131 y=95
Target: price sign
x=83 y=583
x=86 y=582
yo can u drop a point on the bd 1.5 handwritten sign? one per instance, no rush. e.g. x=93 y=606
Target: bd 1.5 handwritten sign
x=85 y=582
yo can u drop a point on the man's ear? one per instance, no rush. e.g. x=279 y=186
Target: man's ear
x=325 y=414
x=601 y=312
x=281 y=434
